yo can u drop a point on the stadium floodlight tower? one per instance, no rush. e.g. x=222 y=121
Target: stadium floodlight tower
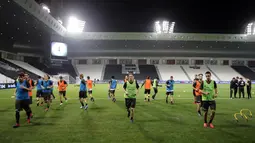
x=164 y=27
x=45 y=7
x=250 y=28
x=75 y=25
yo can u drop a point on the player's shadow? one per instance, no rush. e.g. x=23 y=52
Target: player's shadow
x=51 y=117
x=7 y=109
x=98 y=108
x=42 y=124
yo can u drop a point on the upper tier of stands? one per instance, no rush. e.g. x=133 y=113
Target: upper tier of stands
x=225 y=73
x=245 y=72
x=202 y=69
x=172 y=70
x=94 y=71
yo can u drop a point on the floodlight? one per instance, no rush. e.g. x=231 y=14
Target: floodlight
x=75 y=25
x=157 y=27
x=171 y=29
x=45 y=7
x=165 y=26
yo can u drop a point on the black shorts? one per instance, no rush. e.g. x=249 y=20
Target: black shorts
x=147 y=91
x=207 y=104
x=62 y=93
x=22 y=104
x=169 y=93
x=194 y=92
x=30 y=100
x=47 y=96
x=198 y=99
x=112 y=91
x=130 y=102
x=83 y=94
x=39 y=93
x=90 y=91
x=155 y=90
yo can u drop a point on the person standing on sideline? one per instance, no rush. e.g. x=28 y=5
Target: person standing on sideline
x=241 y=85
x=248 y=87
x=232 y=87
x=236 y=86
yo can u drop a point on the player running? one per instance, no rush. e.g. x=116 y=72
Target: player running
x=47 y=86
x=31 y=83
x=38 y=85
x=22 y=98
x=131 y=89
x=210 y=92
x=112 y=87
x=196 y=87
x=62 y=84
x=83 y=93
x=147 y=88
x=155 y=87
x=194 y=94
x=90 y=84
x=170 y=90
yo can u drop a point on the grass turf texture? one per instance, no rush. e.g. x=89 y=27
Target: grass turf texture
x=107 y=122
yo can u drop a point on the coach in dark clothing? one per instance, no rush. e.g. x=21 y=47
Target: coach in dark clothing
x=241 y=86
x=248 y=87
x=232 y=87
x=236 y=86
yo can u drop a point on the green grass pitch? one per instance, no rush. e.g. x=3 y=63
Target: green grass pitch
x=155 y=122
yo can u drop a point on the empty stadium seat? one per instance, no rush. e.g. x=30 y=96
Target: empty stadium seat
x=146 y=70
x=113 y=70
x=5 y=79
x=201 y=69
x=172 y=70
x=27 y=67
x=225 y=73
x=94 y=71
x=245 y=72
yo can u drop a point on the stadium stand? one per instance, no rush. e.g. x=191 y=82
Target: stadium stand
x=5 y=79
x=224 y=73
x=94 y=71
x=65 y=68
x=115 y=70
x=146 y=70
x=172 y=70
x=193 y=70
x=13 y=69
x=27 y=67
x=245 y=72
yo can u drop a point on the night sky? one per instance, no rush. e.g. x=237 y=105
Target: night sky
x=191 y=16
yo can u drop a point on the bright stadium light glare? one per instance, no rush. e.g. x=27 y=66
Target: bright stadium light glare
x=250 y=29
x=157 y=27
x=75 y=25
x=165 y=26
x=45 y=7
x=171 y=29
